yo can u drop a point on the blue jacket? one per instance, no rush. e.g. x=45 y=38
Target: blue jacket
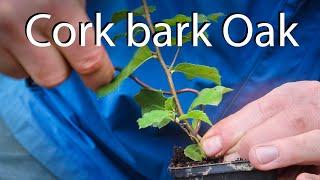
x=77 y=136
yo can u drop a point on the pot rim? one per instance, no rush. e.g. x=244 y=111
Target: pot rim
x=209 y=169
x=211 y=164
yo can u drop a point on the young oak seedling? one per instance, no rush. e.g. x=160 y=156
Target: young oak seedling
x=159 y=108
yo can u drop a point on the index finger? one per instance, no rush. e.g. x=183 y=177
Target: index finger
x=92 y=63
x=226 y=133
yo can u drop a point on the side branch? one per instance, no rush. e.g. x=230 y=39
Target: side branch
x=146 y=86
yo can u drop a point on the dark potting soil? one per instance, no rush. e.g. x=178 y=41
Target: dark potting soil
x=180 y=160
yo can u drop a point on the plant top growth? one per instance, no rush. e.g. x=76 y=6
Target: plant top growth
x=159 y=108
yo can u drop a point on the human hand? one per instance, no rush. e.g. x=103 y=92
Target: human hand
x=49 y=66
x=278 y=130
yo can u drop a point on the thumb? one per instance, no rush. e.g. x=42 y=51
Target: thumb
x=297 y=150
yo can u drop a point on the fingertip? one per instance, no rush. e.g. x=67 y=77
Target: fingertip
x=306 y=176
x=95 y=68
x=212 y=146
x=264 y=157
x=254 y=160
x=100 y=78
x=230 y=132
x=218 y=141
x=93 y=60
x=51 y=80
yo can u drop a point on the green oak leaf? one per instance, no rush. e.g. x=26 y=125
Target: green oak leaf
x=119 y=16
x=123 y=14
x=186 y=38
x=196 y=114
x=163 y=123
x=119 y=36
x=170 y=104
x=192 y=71
x=136 y=32
x=215 y=16
x=155 y=118
x=194 y=152
x=142 y=55
x=179 y=18
x=202 y=18
x=210 y=96
x=140 y=10
x=195 y=123
x=150 y=100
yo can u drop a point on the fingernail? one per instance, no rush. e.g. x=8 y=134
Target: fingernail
x=266 y=154
x=212 y=145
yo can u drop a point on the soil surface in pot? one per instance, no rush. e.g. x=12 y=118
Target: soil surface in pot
x=183 y=168
x=180 y=160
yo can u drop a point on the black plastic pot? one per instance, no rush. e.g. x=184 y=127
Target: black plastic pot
x=240 y=170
